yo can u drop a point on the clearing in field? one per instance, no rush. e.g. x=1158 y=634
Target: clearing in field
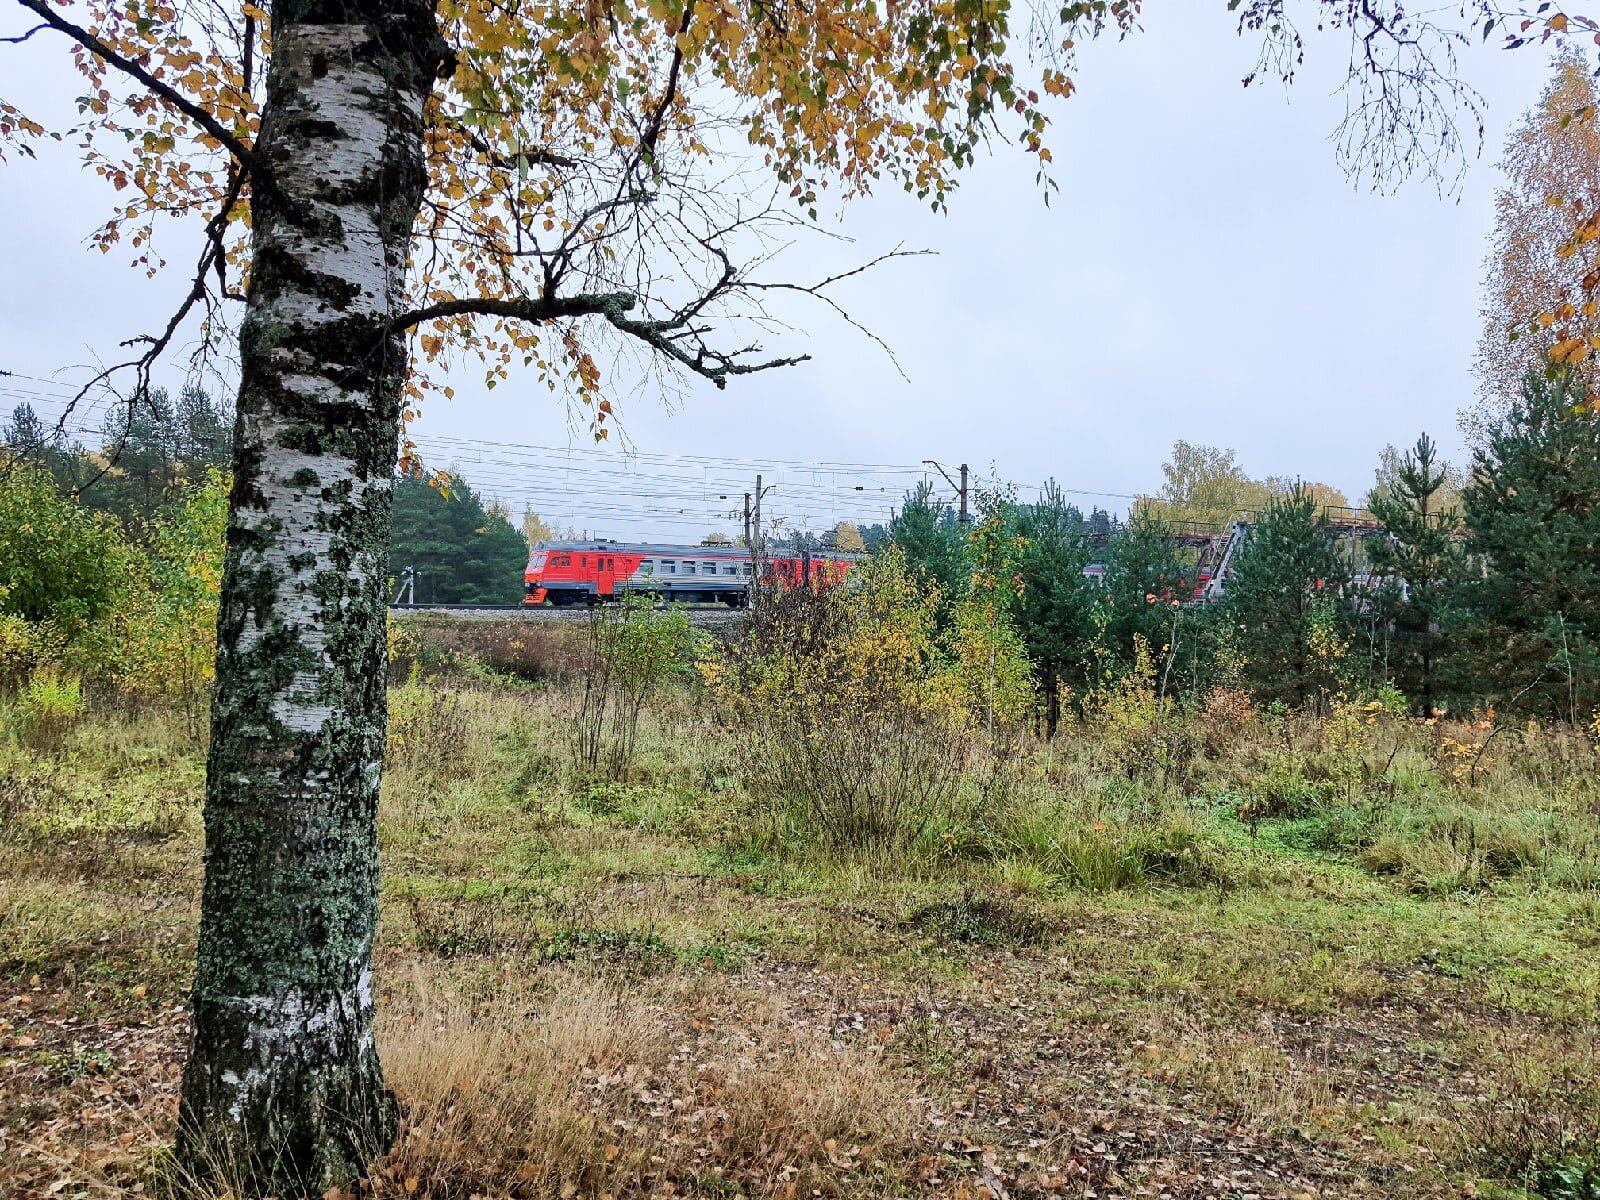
x=1198 y=951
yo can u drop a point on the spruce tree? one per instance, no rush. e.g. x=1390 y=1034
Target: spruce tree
x=1285 y=598
x=1533 y=511
x=935 y=546
x=1414 y=564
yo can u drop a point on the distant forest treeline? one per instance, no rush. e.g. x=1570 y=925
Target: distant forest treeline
x=1482 y=588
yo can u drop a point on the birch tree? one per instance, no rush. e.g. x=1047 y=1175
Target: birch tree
x=531 y=185
x=1534 y=292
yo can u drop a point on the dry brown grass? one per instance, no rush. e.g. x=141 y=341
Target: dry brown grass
x=513 y=645
x=1532 y=1113
x=1248 y=1075
x=586 y=1089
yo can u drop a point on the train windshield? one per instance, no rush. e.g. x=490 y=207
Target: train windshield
x=537 y=560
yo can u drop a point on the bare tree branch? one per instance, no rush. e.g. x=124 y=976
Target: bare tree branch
x=22 y=37
x=666 y=337
x=212 y=258
x=518 y=158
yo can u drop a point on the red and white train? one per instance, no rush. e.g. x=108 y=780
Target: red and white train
x=563 y=573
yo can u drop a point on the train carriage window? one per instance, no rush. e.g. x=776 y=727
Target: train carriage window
x=669 y=566
x=730 y=568
x=745 y=570
x=688 y=568
x=647 y=567
x=709 y=568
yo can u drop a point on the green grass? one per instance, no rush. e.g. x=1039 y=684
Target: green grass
x=1232 y=955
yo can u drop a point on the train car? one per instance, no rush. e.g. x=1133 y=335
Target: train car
x=565 y=573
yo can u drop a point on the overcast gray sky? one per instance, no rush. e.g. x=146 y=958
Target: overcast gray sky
x=1207 y=272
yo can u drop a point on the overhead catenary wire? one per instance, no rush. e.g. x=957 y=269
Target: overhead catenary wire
x=622 y=488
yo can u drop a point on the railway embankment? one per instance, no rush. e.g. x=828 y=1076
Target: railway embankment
x=528 y=643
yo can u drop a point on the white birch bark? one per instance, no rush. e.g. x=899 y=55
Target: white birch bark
x=283 y=1088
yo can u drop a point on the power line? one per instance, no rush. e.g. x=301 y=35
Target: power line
x=1040 y=488
x=726 y=460
x=629 y=487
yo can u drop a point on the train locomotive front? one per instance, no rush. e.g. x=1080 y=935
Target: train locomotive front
x=591 y=572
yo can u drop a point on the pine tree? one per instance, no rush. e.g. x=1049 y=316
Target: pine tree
x=203 y=434
x=26 y=437
x=142 y=442
x=1533 y=510
x=1143 y=577
x=1053 y=601
x=461 y=552
x=1413 y=568
x=151 y=452
x=1285 y=599
x=25 y=433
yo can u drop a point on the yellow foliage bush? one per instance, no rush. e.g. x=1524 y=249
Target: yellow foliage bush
x=46 y=708
x=1142 y=734
x=857 y=719
x=166 y=618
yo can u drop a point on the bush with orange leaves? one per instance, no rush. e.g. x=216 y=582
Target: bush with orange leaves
x=1226 y=716
x=1460 y=747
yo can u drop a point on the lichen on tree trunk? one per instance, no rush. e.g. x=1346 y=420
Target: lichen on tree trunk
x=283 y=1092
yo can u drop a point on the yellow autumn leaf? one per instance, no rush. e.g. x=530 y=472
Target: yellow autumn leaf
x=1573 y=350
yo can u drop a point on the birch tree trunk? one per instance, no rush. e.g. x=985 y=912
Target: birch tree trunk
x=283 y=1092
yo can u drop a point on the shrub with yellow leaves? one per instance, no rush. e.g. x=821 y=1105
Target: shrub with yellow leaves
x=856 y=720
x=1143 y=734
x=165 y=620
x=1460 y=746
